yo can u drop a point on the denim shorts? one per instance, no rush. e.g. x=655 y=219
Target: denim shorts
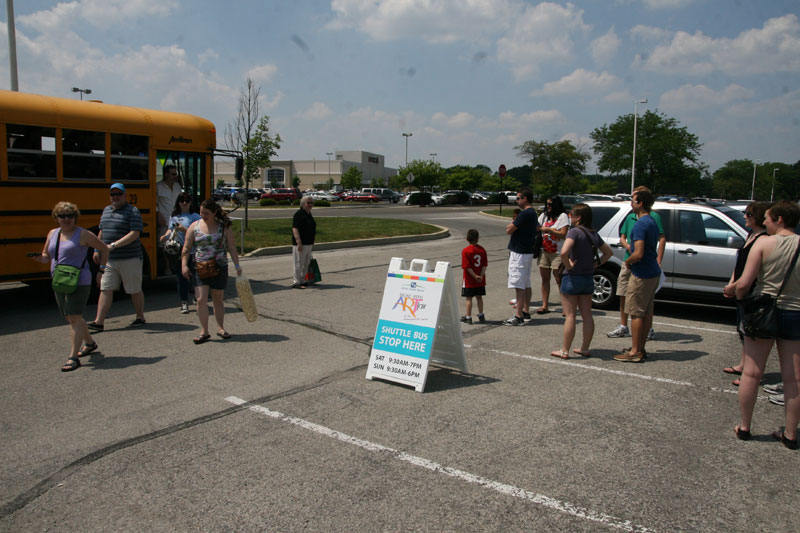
x=788 y=325
x=574 y=285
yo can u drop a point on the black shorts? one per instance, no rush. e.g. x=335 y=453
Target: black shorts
x=473 y=291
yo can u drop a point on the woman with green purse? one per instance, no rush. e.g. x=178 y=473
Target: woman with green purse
x=66 y=249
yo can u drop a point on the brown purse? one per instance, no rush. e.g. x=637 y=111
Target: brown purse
x=207 y=269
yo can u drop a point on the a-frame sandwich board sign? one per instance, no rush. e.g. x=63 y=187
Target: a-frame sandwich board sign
x=418 y=324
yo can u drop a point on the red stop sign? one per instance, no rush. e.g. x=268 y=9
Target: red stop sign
x=502 y=171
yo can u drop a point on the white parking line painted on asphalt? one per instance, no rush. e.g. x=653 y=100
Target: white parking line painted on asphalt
x=731 y=331
x=584 y=366
x=508 y=490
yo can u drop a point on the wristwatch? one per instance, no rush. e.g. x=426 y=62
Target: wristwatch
x=113 y=245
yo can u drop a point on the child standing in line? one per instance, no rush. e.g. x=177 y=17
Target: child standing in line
x=473 y=262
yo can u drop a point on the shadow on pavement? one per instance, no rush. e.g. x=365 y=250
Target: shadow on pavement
x=442 y=379
x=98 y=361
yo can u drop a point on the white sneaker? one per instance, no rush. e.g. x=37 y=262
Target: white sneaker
x=620 y=331
x=774 y=389
x=651 y=334
x=184 y=308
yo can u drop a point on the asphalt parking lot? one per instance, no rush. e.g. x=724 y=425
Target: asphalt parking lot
x=277 y=428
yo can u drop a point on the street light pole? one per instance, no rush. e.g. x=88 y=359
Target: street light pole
x=753 y=187
x=407 y=135
x=329 y=154
x=12 y=45
x=433 y=158
x=82 y=91
x=635 y=117
x=772 y=194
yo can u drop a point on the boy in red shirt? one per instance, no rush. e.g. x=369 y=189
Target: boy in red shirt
x=473 y=262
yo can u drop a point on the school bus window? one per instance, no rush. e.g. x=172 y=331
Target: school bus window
x=128 y=157
x=31 y=151
x=84 y=154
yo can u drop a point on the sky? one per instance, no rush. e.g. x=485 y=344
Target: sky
x=469 y=79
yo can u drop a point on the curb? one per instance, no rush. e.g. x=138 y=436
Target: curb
x=278 y=250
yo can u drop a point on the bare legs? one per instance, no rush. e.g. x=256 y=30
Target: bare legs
x=571 y=304
x=202 y=307
x=789 y=353
x=107 y=297
x=78 y=333
x=755 y=359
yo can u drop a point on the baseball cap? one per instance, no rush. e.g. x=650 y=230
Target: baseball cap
x=118 y=186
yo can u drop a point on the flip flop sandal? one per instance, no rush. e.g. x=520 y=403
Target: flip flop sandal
x=731 y=370
x=741 y=434
x=789 y=443
x=87 y=349
x=200 y=339
x=542 y=311
x=223 y=335
x=582 y=353
x=560 y=354
x=72 y=364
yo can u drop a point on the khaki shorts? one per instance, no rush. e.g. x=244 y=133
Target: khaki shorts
x=127 y=272
x=640 y=298
x=548 y=260
x=622 y=280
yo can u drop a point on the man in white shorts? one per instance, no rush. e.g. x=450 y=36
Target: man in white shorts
x=521 y=230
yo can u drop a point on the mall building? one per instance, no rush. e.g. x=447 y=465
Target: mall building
x=313 y=173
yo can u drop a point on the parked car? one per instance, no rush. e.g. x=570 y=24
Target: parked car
x=479 y=198
x=699 y=257
x=570 y=200
x=383 y=193
x=366 y=197
x=322 y=195
x=282 y=194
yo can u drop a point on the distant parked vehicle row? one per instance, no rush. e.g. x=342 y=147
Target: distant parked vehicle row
x=282 y=194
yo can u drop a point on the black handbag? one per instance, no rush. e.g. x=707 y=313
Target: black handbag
x=760 y=311
x=537 y=244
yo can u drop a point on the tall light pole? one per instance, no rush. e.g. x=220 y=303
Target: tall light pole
x=329 y=154
x=12 y=45
x=433 y=157
x=753 y=188
x=82 y=91
x=635 y=117
x=407 y=135
x=771 y=194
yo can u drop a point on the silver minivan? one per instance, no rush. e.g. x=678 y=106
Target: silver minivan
x=700 y=254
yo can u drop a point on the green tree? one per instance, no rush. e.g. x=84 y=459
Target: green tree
x=555 y=167
x=376 y=182
x=427 y=174
x=295 y=181
x=667 y=155
x=351 y=179
x=463 y=178
x=329 y=184
x=734 y=180
x=491 y=182
x=259 y=150
x=220 y=182
x=521 y=174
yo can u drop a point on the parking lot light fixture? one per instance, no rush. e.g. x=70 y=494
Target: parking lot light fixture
x=772 y=193
x=635 y=116
x=753 y=187
x=407 y=135
x=82 y=91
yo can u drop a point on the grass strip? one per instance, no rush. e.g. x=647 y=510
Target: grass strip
x=278 y=231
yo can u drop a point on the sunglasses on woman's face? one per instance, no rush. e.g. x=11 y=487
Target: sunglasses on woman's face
x=748 y=214
x=66 y=215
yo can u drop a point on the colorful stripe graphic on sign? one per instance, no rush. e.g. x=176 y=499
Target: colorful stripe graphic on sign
x=416 y=278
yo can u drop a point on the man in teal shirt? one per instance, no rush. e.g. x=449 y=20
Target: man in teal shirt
x=625 y=273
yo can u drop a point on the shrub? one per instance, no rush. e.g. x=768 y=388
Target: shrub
x=296 y=201
x=266 y=201
x=322 y=203
x=419 y=198
x=284 y=202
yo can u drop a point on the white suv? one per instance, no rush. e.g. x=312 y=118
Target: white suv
x=699 y=257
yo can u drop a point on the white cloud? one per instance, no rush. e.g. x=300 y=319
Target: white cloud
x=459 y=120
x=640 y=32
x=317 y=111
x=618 y=97
x=666 y=4
x=773 y=48
x=692 y=97
x=605 y=47
x=540 y=34
x=98 y=13
x=580 y=81
x=207 y=56
x=440 y=21
x=262 y=73
x=786 y=104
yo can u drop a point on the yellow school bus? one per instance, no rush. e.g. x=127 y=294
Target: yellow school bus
x=61 y=149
